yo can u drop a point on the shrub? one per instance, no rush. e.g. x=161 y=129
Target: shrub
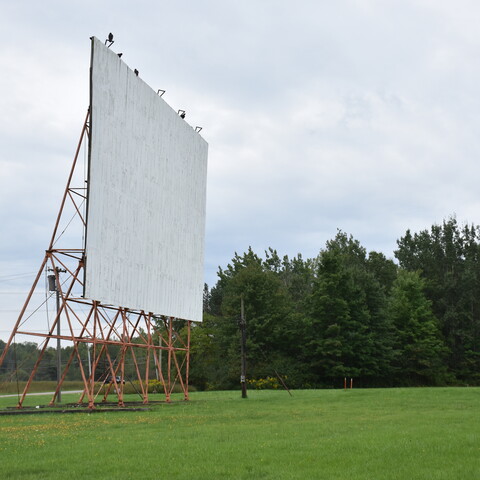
x=269 y=383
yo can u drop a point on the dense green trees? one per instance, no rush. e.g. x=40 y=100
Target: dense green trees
x=349 y=313
x=345 y=313
x=448 y=259
x=352 y=337
x=419 y=348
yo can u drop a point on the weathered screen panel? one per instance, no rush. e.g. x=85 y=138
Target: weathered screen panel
x=146 y=197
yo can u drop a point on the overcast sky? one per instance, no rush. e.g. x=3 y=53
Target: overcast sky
x=353 y=115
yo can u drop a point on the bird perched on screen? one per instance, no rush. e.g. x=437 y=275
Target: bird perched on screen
x=119 y=55
x=109 y=40
x=135 y=72
x=181 y=113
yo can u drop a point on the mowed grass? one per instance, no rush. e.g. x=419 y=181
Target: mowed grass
x=424 y=433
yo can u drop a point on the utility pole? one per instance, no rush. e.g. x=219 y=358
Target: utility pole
x=54 y=287
x=243 y=331
x=89 y=361
x=160 y=354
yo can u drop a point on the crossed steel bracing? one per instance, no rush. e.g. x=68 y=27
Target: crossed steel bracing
x=112 y=334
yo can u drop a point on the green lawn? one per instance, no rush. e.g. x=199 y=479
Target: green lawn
x=424 y=433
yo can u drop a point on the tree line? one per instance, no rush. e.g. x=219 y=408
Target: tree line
x=21 y=358
x=414 y=320
x=348 y=313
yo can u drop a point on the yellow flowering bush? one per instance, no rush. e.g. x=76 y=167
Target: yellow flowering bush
x=269 y=383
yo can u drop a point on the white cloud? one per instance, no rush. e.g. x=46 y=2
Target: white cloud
x=360 y=115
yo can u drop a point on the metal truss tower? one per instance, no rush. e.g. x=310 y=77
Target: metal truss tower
x=112 y=334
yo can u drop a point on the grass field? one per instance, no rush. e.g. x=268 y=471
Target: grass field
x=423 y=433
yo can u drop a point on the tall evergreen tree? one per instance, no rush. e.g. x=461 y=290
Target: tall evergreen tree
x=448 y=258
x=419 y=348
x=350 y=336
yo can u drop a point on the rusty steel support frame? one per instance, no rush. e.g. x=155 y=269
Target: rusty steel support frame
x=105 y=328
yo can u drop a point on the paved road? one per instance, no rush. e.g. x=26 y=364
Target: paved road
x=40 y=393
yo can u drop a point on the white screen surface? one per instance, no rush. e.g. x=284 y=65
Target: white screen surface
x=146 y=197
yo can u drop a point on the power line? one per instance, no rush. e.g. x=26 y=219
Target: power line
x=6 y=292
x=4 y=278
